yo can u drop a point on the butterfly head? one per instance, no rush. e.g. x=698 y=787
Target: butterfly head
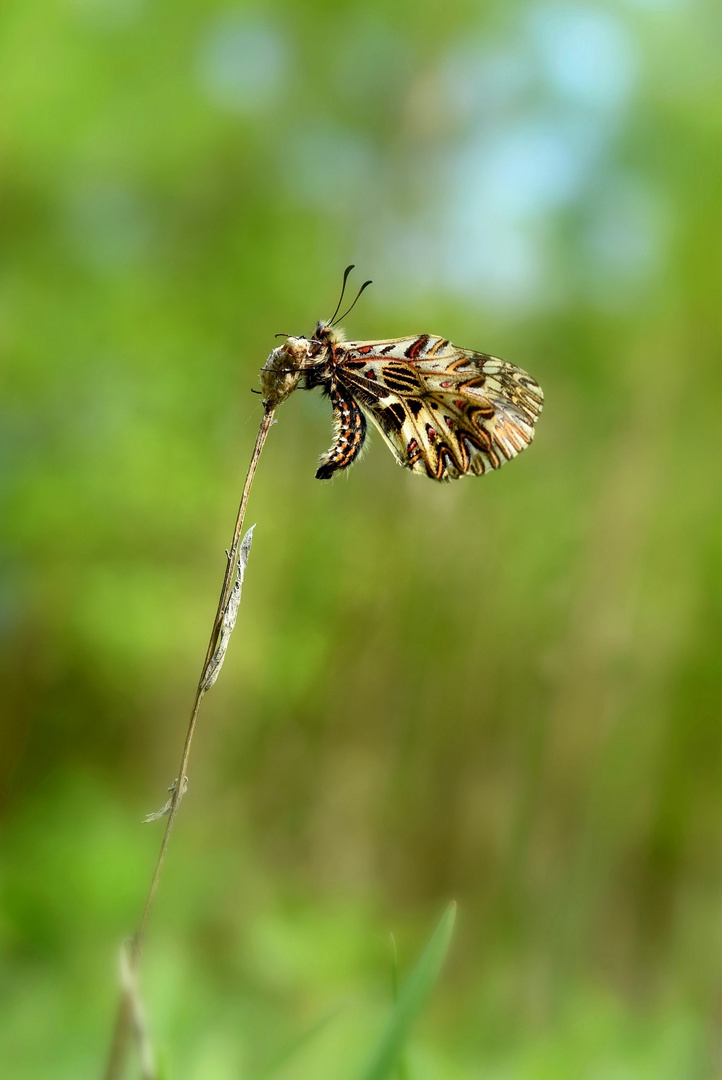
x=327 y=333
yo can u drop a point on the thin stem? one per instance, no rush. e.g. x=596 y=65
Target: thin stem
x=121 y=1034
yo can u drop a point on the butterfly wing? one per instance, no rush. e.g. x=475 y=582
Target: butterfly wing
x=443 y=411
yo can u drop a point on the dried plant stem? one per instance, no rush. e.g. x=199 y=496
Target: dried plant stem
x=123 y=1025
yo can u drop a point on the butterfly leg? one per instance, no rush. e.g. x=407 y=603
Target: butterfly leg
x=349 y=428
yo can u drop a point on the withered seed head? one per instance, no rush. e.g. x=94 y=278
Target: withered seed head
x=282 y=370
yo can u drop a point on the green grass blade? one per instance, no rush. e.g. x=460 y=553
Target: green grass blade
x=394 y=969
x=295 y=1046
x=401 y=1070
x=411 y=1001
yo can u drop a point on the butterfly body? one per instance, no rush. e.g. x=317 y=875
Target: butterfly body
x=444 y=411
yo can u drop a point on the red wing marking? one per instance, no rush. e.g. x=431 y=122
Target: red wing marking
x=417 y=347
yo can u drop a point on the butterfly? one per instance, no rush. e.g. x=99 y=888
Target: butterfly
x=444 y=412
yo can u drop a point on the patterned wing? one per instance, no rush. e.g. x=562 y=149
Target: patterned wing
x=443 y=411
x=349 y=433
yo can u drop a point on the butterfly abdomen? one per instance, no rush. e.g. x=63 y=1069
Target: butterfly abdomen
x=349 y=425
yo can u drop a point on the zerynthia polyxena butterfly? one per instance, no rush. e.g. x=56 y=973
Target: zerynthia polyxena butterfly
x=444 y=411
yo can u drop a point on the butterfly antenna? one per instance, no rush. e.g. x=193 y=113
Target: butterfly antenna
x=346 y=273
x=364 y=286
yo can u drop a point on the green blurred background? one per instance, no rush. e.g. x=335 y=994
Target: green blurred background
x=504 y=691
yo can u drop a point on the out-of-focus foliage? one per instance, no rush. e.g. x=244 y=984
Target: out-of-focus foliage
x=504 y=691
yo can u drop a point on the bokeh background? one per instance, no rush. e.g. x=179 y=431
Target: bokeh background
x=503 y=691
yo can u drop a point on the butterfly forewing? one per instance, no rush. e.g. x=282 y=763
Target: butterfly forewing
x=443 y=411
